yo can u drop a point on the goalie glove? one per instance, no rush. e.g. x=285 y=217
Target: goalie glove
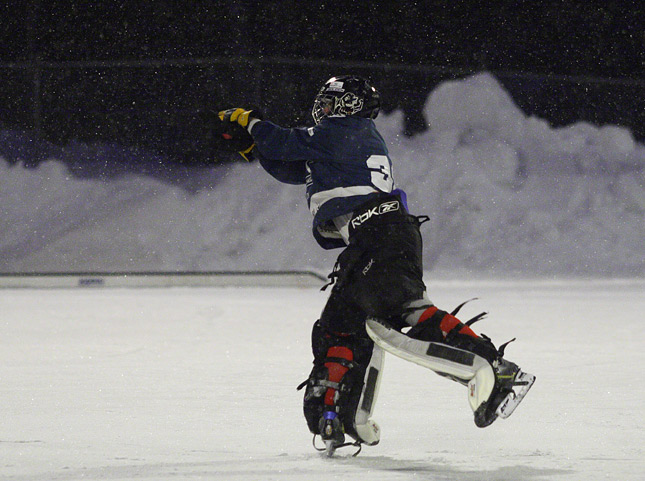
x=233 y=134
x=241 y=116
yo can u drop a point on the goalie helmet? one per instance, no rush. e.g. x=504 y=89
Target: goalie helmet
x=344 y=96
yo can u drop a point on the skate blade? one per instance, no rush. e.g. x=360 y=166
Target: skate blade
x=524 y=381
x=330 y=448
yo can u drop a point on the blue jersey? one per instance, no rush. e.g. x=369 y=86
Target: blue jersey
x=343 y=161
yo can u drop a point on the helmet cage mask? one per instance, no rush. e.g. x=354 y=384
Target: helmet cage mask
x=323 y=106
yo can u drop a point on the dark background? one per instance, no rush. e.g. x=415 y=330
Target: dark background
x=147 y=74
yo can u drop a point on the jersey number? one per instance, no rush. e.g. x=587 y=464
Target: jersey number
x=381 y=172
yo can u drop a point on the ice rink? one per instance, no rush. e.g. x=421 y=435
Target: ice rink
x=200 y=383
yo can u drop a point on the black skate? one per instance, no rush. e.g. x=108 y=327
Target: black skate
x=511 y=385
x=332 y=434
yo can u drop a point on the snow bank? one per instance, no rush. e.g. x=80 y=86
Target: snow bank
x=507 y=196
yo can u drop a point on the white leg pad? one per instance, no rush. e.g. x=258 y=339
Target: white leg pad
x=464 y=366
x=481 y=386
x=367 y=429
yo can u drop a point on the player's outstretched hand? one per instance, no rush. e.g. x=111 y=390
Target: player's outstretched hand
x=231 y=133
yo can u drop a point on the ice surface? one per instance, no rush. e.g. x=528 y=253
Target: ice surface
x=507 y=195
x=183 y=384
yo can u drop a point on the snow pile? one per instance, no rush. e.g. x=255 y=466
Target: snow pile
x=507 y=196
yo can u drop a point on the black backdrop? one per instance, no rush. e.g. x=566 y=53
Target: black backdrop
x=144 y=73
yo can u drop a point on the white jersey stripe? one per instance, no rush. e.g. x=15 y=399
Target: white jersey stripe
x=319 y=198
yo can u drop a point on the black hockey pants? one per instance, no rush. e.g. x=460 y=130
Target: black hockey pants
x=378 y=272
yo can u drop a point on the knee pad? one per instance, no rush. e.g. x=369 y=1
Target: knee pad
x=345 y=379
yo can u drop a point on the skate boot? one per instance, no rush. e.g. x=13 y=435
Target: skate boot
x=331 y=432
x=510 y=385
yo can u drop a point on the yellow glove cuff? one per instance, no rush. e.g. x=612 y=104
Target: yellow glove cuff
x=247 y=153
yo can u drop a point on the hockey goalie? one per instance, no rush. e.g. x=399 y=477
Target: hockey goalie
x=378 y=300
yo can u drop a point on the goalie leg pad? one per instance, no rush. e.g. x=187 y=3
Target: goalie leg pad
x=496 y=386
x=345 y=379
x=460 y=365
x=363 y=428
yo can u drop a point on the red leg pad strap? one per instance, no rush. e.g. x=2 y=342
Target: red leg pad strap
x=448 y=322
x=336 y=371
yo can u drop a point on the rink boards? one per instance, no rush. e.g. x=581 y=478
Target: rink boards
x=164 y=279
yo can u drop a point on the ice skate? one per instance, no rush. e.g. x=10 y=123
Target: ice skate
x=511 y=384
x=331 y=432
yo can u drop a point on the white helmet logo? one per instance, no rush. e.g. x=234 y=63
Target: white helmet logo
x=335 y=87
x=349 y=104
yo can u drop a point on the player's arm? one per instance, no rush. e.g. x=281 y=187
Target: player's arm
x=294 y=172
x=286 y=144
x=236 y=127
x=279 y=143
